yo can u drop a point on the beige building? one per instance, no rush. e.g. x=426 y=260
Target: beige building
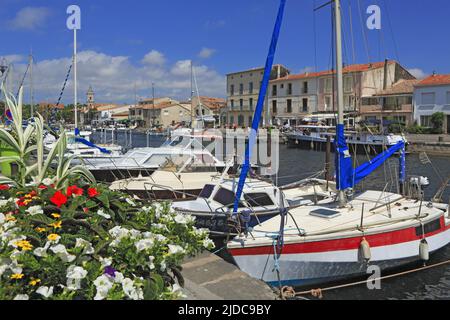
x=163 y=112
x=313 y=95
x=242 y=95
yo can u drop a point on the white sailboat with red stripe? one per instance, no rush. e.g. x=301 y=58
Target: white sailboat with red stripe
x=324 y=243
x=333 y=241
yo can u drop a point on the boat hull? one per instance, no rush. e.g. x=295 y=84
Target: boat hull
x=318 y=262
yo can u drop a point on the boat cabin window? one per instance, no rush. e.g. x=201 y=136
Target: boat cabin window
x=259 y=199
x=158 y=159
x=226 y=198
x=205 y=158
x=206 y=191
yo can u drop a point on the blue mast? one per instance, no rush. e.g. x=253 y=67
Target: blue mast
x=260 y=105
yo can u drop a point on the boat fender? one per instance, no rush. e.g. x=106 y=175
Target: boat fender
x=424 y=253
x=364 y=248
x=296 y=141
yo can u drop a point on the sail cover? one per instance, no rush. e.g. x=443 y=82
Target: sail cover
x=344 y=168
x=260 y=105
x=367 y=168
x=347 y=177
x=90 y=144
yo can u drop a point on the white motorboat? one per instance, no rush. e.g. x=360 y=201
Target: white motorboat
x=142 y=162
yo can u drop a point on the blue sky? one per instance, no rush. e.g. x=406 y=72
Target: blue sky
x=128 y=44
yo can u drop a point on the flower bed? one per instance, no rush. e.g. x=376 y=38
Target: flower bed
x=91 y=243
x=64 y=237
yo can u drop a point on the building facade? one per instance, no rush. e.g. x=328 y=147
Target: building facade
x=432 y=95
x=242 y=95
x=162 y=112
x=313 y=95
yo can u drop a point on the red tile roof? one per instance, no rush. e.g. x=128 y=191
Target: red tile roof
x=400 y=87
x=347 y=69
x=435 y=80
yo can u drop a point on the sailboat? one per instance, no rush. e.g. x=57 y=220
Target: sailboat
x=334 y=241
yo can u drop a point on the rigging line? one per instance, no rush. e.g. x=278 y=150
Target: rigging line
x=386 y=9
x=351 y=32
x=23 y=80
x=366 y=44
x=346 y=56
x=315 y=36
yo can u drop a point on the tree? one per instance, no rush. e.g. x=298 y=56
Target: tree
x=437 y=120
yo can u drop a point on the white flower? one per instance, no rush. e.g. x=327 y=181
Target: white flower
x=21 y=297
x=163 y=266
x=180 y=219
x=47 y=182
x=102 y=213
x=106 y=262
x=88 y=248
x=35 y=210
x=130 y=202
x=178 y=291
x=151 y=265
x=42 y=251
x=175 y=249
x=74 y=276
x=5 y=202
x=103 y=284
x=144 y=244
x=160 y=237
x=61 y=251
x=2 y=218
x=119 y=232
x=130 y=290
x=118 y=277
x=208 y=244
x=46 y=292
x=160 y=226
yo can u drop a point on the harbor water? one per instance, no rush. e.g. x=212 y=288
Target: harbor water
x=296 y=164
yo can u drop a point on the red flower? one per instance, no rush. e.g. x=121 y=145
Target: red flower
x=58 y=199
x=85 y=210
x=74 y=190
x=33 y=193
x=4 y=187
x=42 y=187
x=21 y=202
x=92 y=192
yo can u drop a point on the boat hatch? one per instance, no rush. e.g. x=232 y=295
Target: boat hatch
x=325 y=213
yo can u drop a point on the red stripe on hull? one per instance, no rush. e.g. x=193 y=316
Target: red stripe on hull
x=375 y=240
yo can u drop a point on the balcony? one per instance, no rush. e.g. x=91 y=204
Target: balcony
x=404 y=108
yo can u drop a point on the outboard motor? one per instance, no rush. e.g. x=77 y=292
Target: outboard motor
x=417 y=185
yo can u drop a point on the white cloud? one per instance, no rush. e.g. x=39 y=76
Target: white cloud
x=14 y=58
x=30 y=18
x=113 y=78
x=206 y=53
x=154 y=57
x=418 y=73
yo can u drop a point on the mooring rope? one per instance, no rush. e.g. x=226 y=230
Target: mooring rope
x=289 y=293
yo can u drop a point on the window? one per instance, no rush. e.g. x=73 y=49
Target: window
x=369 y=101
x=425 y=121
x=428 y=98
x=282 y=86
x=250 y=103
x=289 y=106
x=258 y=199
x=224 y=197
x=241 y=104
x=232 y=90
x=348 y=84
x=274 y=90
x=250 y=88
x=250 y=120
x=328 y=85
x=305 y=105
x=289 y=90
x=231 y=119
x=241 y=88
x=349 y=102
x=166 y=112
x=240 y=120
x=448 y=97
x=232 y=103
x=328 y=103
x=274 y=106
x=305 y=87
x=206 y=191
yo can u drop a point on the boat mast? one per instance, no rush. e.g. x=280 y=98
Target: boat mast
x=75 y=97
x=339 y=76
x=31 y=84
